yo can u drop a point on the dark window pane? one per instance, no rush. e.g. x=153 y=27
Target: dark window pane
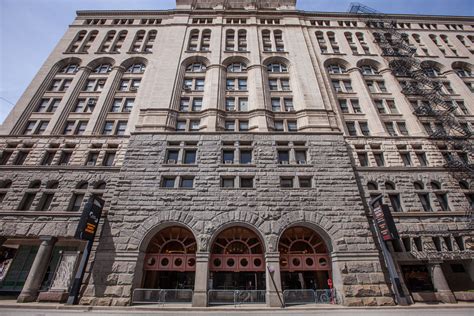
x=168 y=182
x=228 y=156
x=245 y=156
x=190 y=156
x=187 y=182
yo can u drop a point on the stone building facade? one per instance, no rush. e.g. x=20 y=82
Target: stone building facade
x=236 y=144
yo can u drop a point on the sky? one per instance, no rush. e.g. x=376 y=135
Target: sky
x=30 y=29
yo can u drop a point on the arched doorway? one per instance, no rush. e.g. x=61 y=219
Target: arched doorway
x=237 y=261
x=170 y=260
x=304 y=260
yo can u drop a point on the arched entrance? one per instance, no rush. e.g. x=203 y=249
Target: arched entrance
x=170 y=260
x=304 y=260
x=237 y=261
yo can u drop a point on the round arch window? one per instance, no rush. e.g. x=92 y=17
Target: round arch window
x=178 y=262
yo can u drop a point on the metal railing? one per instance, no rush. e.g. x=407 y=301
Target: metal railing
x=236 y=297
x=297 y=297
x=161 y=296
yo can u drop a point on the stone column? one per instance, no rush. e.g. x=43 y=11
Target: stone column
x=440 y=284
x=200 y=279
x=37 y=271
x=273 y=279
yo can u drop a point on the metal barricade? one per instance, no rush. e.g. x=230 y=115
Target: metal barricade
x=236 y=297
x=161 y=296
x=221 y=297
x=249 y=297
x=325 y=297
x=297 y=297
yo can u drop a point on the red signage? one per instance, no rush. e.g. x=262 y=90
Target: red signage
x=384 y=220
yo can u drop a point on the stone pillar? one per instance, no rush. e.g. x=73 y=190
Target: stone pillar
x=37 y=271
x=200 y=279
x=273 y=279
x=440 y=284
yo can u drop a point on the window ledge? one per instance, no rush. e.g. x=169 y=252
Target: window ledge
x=295 y=165
x=238 y=165
x=40 y=213
x=237 y=51
x=179 y=165
x=198 y=51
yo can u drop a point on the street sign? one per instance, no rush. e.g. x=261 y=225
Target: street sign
x=90 y=218
x=383 y=218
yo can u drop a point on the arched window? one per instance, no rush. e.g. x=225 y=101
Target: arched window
x=266 y=41
x=101 y=185
x=419 y=185
x=277 y=67
x=372 y=186
x=279 y=44
x=196 y=67
x=463 y=72
x=117 y=45
x=150 y=40
x=138 y=68
x=77 y=41
x=206 y=40
x=103 y=69
x=417 y=38
x=237 y=67
x=464 y=185
x=368 y=70
x=242 y=40
x=82 y=185
x=193 y=40
x=230 y=40
x=435 y=185
x=389 y=186
x=336 y=69
x=107 y=42
x=34 y=184
x=70 y=69
x=138 y=41
x=88 y=42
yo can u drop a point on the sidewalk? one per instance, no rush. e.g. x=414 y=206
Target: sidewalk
x=12 y=304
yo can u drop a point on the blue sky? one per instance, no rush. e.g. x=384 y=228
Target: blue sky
x=30 y=29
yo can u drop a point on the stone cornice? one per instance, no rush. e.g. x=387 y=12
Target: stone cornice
x=303 y=14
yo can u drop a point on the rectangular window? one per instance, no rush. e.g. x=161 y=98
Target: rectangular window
x=285 y=85
x=243 y=126
x=128 y=106
x=108 y=128
x=402 y=128
x=121 y=127
x=343 y=106
x=230 y=104
x=180 y=126
x=305 y=182
x=273 y=84
x=242 y=84
x=116 y=105
x=380 y=106
x=364 y=128
x=228 y=182
x=48 y=158
x=109 y=159
x=363 y=161
x=92 y=159
x=391 y=105
x=246 y=182
x=422 y=159
x=168 y=182
x=443 y=201
x=172 y=156
x=190 y=156
x=187 y=182
x=229 y=126
x=283 y=157
x=184 y=105
x=27 y=202
x=425 y=201
x=20 y=158
x=351 y=128
x=81 y=127
x=289 y=105
x=276 y=107
x=199 y=84
x=243 y=105
x=379 y=160
x=245 y=157
x=355 y=106
x=279 y=127
x=286 y=182
x=300 y=156
x=390 y=129
x=292 y=126
x=197 y=104
x=230 y=84
x=406 y=159
x=228 y=156
x=65 y=157
x=395 y=202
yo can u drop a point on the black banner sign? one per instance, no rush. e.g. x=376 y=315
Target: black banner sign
x=90 y=218
x=384 y=220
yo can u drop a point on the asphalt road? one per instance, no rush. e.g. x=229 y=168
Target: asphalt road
x=436 y=311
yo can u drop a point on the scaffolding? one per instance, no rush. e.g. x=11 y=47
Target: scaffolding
x=450 y=131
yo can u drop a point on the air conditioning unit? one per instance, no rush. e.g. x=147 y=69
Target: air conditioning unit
x=171 y=161
x=63 y=164
x=133 y=88
x=91 y=163
x=290 y=110
x=91 y=102
x=232 y=110
x=284 y=162
x=302 y=162
x=228 y=162
x=187 y=89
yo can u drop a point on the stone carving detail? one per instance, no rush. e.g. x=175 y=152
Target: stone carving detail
x=65 y=271
x=203 y=242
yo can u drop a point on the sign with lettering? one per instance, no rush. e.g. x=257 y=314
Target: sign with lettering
x=384 y=220
x=90 y=218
